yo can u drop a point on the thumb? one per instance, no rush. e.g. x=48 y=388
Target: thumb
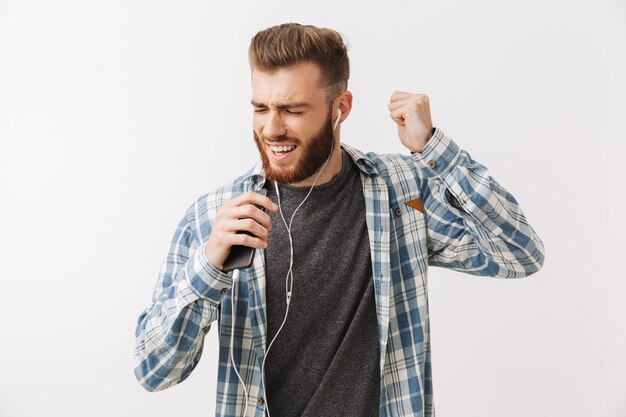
x=397 y=117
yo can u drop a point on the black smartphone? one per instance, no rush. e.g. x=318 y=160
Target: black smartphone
x=241 y=256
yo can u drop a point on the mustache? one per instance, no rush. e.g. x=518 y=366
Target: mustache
x=277 y=139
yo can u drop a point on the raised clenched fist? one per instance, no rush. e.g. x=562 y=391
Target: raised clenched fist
x=412 y=114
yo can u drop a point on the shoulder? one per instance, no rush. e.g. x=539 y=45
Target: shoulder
x=390 y=166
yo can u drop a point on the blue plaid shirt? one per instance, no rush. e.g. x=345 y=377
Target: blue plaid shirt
x=435 y=208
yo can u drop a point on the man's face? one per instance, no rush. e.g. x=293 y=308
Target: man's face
x=292 y=122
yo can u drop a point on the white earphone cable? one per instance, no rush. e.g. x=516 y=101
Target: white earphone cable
x=288 y=284
x=232 y=338
x=289 y=277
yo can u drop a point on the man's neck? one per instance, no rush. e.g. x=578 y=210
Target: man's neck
x=332 y=168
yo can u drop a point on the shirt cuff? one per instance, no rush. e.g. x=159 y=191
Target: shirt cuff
x=439 y=155
x=205 y=279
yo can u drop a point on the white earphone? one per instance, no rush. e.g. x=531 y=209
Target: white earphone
x=338 y=118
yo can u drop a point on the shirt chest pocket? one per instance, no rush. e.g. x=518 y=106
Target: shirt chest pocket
x=409 y=228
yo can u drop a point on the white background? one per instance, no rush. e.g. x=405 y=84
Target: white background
x=116 y=115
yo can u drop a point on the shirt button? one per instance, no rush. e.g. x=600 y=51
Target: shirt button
x=224 y=290
x=432 y=164
x=398 y=212
x=260 y=400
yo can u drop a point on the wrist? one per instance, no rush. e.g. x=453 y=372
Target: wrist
x=420 y=150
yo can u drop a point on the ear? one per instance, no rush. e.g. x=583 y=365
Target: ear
x=344 y=103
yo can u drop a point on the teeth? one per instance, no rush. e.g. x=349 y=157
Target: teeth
x=279 y=149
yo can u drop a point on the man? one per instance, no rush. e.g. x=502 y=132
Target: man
x=332 y=317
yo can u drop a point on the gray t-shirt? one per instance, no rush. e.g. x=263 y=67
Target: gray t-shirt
x=325 y=361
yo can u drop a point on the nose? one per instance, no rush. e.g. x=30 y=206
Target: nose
x=273 y=126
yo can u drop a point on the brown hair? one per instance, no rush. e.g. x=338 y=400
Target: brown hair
x=289 y=44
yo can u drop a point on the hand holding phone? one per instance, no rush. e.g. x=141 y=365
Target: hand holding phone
x=240 y=227
x=241 y=256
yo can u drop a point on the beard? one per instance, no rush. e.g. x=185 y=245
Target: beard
x=313 y=151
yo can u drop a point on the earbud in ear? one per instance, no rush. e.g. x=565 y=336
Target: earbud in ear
x=337 y=119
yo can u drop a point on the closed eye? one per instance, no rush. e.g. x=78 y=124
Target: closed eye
x=291 y=112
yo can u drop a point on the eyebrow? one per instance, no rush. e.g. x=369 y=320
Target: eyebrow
x=284 y=106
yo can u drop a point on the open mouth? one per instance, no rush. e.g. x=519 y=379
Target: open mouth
x=281 y=152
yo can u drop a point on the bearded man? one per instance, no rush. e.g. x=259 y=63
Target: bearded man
x=331 y=318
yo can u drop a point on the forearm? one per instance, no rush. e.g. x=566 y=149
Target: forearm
x=487 y=232
x=170 y=333
x=169 y=343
